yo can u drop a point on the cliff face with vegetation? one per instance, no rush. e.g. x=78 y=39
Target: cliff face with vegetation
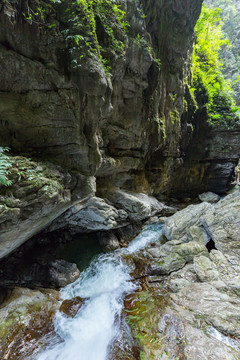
x=98 y=89
x=60 y=102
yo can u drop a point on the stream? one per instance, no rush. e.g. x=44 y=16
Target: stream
x=104 y=284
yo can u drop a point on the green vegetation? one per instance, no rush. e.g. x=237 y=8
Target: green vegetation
x=90 y=28
x=207 y=67
x=5 y=165
x=83 y=16
x=95 y=28
x=230 y=56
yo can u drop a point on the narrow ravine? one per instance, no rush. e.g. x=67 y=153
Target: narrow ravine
x=104 y=284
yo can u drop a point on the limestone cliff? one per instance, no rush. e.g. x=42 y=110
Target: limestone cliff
x=115 y=129
x=77 y=115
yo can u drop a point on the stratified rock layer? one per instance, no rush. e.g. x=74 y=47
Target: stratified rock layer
x=110 y=127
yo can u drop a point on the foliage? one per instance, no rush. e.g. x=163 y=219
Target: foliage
x=207 y=67
x=79 y=26
x=83 y=16
x=5 y=164
x=230 y=56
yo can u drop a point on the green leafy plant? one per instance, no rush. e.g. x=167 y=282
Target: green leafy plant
x=82 y=35
x=207 y=68
x=5 y=164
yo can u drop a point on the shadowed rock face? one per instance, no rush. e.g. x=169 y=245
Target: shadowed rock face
x=81 y=118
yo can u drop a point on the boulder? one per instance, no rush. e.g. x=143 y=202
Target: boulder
x=177 y=225
x=39 y=272
x=93 y=215
x=138 y=206
x=222 y=222
x=173 y=256
x=205 y=269
x=108 y=240
x=209 y=197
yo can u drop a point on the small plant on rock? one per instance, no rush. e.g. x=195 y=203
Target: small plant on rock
x=5 y=164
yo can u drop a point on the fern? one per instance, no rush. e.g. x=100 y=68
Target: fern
x=4 y=167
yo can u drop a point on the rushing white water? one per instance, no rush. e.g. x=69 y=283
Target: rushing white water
x=104 y=284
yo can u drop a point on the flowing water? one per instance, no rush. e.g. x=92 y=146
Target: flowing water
x=104 y=284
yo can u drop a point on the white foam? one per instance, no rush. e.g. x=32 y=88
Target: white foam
x=104 y=284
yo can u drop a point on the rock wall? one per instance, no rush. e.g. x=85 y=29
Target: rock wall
x=81 y=118
x=120 y=136
x=208 y=155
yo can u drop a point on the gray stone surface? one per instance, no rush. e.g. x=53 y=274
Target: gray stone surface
x=39 y=194
x=124 y=126
x=177 y=225
x=202 y=319
x=138 y=206
x=209 y=197
x=93 y=215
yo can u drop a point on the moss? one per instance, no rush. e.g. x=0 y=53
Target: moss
x=175 y=116
x=161 y=125
x=27 y=320
x=143 y=311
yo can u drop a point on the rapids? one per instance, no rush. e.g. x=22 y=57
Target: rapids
x=104 y=284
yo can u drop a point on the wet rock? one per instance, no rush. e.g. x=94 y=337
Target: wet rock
x=25 y=319
x=126 y=233
x=124 y=347
x=209 y=197
x=173 y=329
x=152 y=220
x=62 y=273
x=143 y=313
x=71 y=307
